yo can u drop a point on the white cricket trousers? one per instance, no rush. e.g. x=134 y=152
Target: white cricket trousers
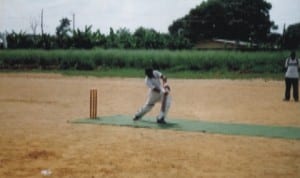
x=153 y=98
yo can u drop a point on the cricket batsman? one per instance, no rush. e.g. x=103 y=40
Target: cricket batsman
x=158 y=92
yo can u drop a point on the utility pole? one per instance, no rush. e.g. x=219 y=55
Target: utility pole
x=283 y=37
x=42 y=22
x=42 y=29
x=73 y=22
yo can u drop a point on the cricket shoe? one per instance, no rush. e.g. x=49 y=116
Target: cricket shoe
x=136 y=118
x=161 y=121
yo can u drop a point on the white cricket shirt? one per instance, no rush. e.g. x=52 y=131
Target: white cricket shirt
x=155 y=81
x=292 y=68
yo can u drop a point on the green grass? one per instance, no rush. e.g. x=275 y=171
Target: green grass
x=130 y=63
x=139 y=73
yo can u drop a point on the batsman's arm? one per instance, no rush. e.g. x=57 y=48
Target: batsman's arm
x=164 y=79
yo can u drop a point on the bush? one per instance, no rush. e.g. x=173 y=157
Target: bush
x=244 y=62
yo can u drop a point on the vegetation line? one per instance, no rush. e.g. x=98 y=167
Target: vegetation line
x=139 y=73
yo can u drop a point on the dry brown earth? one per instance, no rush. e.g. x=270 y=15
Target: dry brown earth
x=35 y=133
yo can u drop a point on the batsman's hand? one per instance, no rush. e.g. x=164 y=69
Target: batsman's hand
x=167 y=88
x=164 y=79
x=156 y=90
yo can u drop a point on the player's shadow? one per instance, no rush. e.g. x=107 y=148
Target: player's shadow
x=153 y=124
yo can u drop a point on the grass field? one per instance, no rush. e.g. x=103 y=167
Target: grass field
x=138 y=73
x=173 y=61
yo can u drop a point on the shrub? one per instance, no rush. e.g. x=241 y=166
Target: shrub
x=249 y=62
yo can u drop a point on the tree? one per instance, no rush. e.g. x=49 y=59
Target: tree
x=33 y=25
x=231 y=19
x=64 y=27
x=111 y=39
x=140 y=35
x=83 y=39
x=125 y=39
x=20 y=40
x=291 y=36
x=248 y=19
x=98 y=38
x=274 y=40
x=149 y=39
x=63 y=38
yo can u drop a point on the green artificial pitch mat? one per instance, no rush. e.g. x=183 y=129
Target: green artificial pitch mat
x=199 y=126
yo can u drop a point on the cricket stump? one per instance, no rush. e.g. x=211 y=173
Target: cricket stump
x=93 y=103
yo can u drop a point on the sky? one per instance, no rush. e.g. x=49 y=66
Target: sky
x=17 y=15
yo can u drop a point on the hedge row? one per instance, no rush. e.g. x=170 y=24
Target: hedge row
x=250 y=62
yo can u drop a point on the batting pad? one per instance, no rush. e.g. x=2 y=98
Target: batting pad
x=198 y=126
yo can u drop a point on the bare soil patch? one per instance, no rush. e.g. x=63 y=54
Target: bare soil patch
x=35 y=133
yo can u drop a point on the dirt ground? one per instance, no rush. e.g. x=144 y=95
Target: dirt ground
x=35 y=133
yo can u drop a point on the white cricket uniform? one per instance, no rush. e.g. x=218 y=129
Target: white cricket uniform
x=292 y=68
x=154 y=96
